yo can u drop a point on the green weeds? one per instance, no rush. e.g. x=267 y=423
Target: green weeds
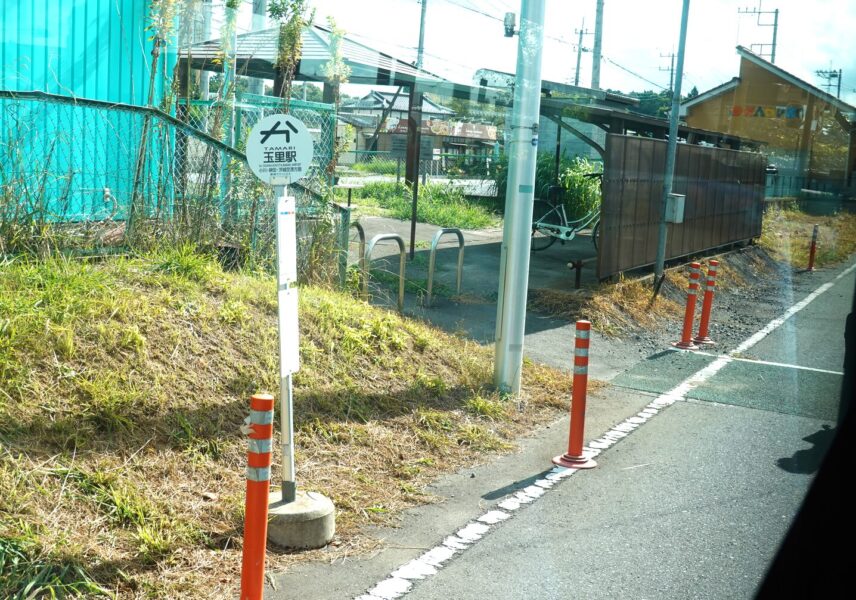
x=26 y=573
x=439 y=204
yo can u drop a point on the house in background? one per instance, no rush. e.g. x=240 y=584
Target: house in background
x=809 y=135
x=440 y=129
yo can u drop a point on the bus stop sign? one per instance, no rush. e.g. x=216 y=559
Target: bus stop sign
x=279 y=149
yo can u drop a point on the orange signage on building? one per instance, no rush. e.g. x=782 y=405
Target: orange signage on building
x=768 y=112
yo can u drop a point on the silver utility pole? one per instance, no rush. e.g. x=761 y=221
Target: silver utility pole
x=673 y=145
x=598 y=39
x=671 y=69
x=759 y=13
x=421 y=47
x=522 y=149
x=582 y=32
x=775 y=32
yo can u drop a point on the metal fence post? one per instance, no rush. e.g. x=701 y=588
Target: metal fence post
x=344 y=243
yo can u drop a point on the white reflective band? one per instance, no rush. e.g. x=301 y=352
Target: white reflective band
x=583 y=334
x=260 y=446
x=261 y=417
x=581 y=351
x=711 y=269
x=580 y=370
x=258 y=474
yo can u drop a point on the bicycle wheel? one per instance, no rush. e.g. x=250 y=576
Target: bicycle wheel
x=595 y=235
x=543 y=212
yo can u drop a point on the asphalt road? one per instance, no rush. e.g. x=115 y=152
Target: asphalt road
x=693 y=504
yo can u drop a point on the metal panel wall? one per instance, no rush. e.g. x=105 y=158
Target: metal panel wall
x=724 y=195
x=97 y=49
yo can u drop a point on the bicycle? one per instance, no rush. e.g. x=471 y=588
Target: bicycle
x=550 y=222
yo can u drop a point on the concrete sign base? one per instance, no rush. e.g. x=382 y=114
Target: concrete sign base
x=308 y=522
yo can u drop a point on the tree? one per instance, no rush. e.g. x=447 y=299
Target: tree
x=293 y=16
x=693 y=93
x=656 y=104
x=313 y=92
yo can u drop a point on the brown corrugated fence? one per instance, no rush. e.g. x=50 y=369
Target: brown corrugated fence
x=724 y=196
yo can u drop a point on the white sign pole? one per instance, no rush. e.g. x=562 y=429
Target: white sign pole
x=279 y=151
x=289 y=355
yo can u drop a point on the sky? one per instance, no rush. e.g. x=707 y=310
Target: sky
x=462 y=36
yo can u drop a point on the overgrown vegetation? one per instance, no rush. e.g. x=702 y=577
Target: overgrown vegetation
x=439 y=204
x=579 y=193
x=787 y=234
x=123 y=384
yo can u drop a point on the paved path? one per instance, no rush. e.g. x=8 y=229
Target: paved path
x=692 y=504
x=696 y=502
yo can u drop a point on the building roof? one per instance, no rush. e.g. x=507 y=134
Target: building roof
x=847 y=110
x=255 y=53
x=711 y=93
x=381 y=101
x=500 y=79
x=358 y=121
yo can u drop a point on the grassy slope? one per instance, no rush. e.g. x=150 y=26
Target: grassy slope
x=122 y=388
x=787 y=236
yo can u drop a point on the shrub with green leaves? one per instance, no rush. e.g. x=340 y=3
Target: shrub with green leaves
x=581 y=194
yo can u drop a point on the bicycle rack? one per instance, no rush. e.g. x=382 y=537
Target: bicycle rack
x=356 y=225
x=367 y=261
x=431 y=263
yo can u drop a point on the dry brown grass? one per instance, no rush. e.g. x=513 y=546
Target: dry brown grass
x=787 y=236
x=123 y=386
x=611 y=307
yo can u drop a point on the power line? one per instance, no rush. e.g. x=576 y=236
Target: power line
x=623 y=68
x=475 y=10
x=490 y=16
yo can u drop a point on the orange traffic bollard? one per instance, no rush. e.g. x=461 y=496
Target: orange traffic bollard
x=260 y=431
x=813 y=250
x=575 y=458
x=686 y=342
x=707 y=304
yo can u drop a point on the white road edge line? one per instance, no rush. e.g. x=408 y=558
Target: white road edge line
x=401 y=581
x=759 y=361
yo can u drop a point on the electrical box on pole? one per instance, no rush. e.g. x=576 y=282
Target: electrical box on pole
x=675 y=208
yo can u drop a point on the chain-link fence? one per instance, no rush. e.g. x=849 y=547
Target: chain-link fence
x=89 y=175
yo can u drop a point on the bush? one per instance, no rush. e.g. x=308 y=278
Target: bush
x=581 y=194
